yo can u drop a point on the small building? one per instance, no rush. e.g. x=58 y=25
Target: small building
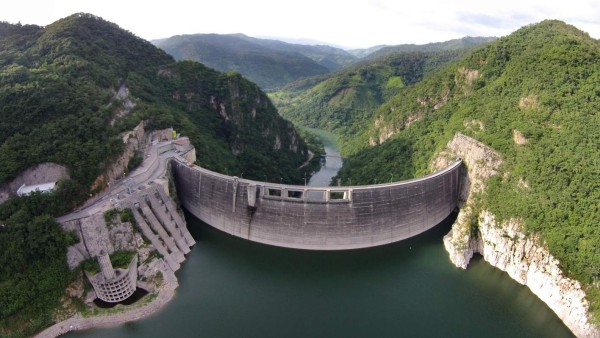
x=25 y=190
x=112 y=285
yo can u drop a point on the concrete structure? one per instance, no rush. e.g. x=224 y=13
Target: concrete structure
x=114 y=285
x=25 y=190
x=327 y=218
x=157 y=217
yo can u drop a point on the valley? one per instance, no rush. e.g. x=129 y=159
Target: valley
x=521 y=111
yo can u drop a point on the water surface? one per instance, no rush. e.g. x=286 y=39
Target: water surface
x=333 y=161
x=230 y=287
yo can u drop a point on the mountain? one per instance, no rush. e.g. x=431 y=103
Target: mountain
x=57 y=84
x=301 y=41
x=364 y=52
x=455 y=44
x=69 y=93
x=343 y=101
x=269 y=63
x=533 y=96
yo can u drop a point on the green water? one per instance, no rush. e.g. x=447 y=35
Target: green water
x=230 y=287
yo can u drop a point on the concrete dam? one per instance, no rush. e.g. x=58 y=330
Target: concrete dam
x=317 y=218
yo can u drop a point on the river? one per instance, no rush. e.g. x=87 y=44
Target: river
x=333 y=161
x=230 y=287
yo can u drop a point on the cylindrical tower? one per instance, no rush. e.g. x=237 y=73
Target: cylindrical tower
x=106 y=266
x=114 y=285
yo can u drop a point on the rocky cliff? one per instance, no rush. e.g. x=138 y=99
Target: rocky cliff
x=133 y=142
x=507 y=246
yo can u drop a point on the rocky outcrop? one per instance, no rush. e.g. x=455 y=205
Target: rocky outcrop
x=123 y=103
x=506 y=246
x=465 y=79
x=133 y=141
x=526 y=260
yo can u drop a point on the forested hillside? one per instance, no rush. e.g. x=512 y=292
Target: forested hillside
x=534 y=97
x=344 y=101
x=269 y=63
x=58 y=104
x=455 y=44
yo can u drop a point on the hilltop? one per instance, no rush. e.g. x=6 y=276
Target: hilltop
x=533 y=97
x=58 y=88
x=70 y=94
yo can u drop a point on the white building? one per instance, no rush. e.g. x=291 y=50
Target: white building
x=25 y=190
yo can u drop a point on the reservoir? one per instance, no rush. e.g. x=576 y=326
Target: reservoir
x=230 y=287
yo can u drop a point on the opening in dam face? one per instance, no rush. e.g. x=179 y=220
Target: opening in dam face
x=230 y=287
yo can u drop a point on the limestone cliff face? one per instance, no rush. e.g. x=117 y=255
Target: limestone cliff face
x=133 y=141
x=506 y=246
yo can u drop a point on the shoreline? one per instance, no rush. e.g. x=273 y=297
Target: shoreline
x=165 y=293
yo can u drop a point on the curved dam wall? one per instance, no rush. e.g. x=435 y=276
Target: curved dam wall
x=327 y=218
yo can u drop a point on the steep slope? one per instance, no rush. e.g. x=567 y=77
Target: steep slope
x=58 y=99
x=69 y=92
x=269 y=63
x=332 y=58
x=533 y=97
x=343 y=101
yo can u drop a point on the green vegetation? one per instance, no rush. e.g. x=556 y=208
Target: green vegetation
x=57 y=82
x=455 y=44
x=313 y=140
x=34 y=272
x=109 y=216
x=533 y=96
x=324 y=137
x=315 y=145
x=126 y=215
x=58 y=104
x=135 y=161
x=223 y=115
x=269 y=63
x=345 y=101
x=121 y=259
x=91 y=265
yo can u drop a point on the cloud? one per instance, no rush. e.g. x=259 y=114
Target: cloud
x=358 y=23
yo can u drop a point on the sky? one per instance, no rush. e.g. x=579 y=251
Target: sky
x=345 y=23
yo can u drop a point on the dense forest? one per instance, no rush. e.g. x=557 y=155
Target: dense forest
x=450 y=45
x=534 y=97
x=269 y=63
x=343 y=102
x=58 y=104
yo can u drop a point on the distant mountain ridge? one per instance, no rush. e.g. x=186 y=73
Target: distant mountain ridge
x=454 y=44
x=273 y=63
x=269 y=63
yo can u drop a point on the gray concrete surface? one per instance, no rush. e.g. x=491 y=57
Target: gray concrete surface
x=343 y=218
